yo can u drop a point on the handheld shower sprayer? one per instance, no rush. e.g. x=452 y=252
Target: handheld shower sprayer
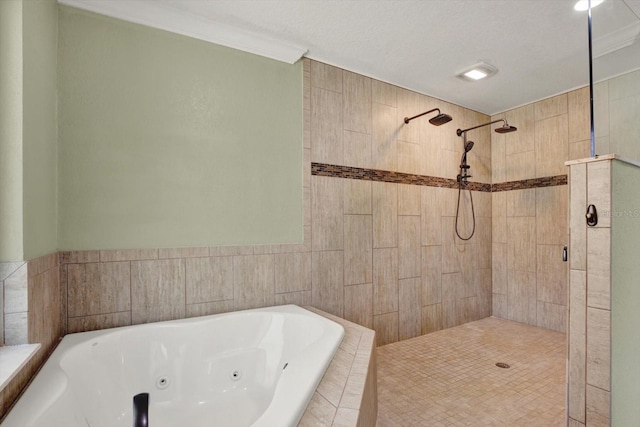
x=437 y=120
x=463 y=176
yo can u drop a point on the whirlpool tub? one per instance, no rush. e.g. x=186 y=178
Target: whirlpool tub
x=248 y=368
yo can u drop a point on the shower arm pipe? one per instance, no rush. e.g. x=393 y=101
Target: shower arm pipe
x=464 y=131
x=408 y=119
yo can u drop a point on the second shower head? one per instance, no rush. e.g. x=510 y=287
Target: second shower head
x=505 y=128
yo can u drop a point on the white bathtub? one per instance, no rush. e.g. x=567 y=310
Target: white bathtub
x=248 y=368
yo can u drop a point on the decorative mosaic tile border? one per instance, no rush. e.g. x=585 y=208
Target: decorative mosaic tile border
x=349 y=172
x=547 y=181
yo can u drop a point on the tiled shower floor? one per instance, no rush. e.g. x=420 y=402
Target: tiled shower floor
x=449 y=378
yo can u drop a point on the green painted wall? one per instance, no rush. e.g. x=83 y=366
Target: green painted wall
x=28 y=129
x=625 y=295
x=40 y=36
x=11 y=130
x=168 y=141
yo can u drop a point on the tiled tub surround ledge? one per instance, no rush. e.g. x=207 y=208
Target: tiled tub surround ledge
x=348 y=172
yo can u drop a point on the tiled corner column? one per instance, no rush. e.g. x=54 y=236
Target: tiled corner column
x=33 y=314
x=589 y=369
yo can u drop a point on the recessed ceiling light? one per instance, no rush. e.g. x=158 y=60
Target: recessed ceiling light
x=477 y=71
x=583 y=5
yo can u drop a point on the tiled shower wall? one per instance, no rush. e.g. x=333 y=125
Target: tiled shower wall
x=378 y=253
x=33 y=313
x=530 y=225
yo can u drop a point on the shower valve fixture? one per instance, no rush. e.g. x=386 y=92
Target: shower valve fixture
x=437 y=120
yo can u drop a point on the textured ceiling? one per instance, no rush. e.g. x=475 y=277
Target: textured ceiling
x=539 y=46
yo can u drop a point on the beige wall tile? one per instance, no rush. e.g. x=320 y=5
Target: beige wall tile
x=98 y=288
x=386 y=327
x=409 y=313
x=521 y=244
x=326 y=76
x=552 y=146
x=482 y=202
x=335 y=377
x=157 y=290
x=408 y=106
x=579 y=150
x=183 y=253
x=326 y=127
x=292 y=272
x=599 y=267
x=128 y=255
x=499 y=268
x=231 y=250
x=431 y=318
x=357 y=149
x=253 y=281
x=384 y=151
x=448 y=199
x=410 y=158
x=520 y=166
x=16 y=328
x=357 y=197
x=599 y=190
x=551 y=215
x=552 y=316
x=209 y=308
x=579 y=114
x=522 y=296
x=431 y=275
x=523 y=140
x=484 y=294
x=356 y=90
x=482 y=243
x=574 y=423
x=598 y=407
x=318 y=412
x=468 y=308
x=521 y=202
x=430 y=217
x=500 y=307
x=346 y=417
x=598 y=348
x=327 y=278
x=385 y=280
x=577 y=210
x=577 y=368
x=452 y=292
x=450 y=249
x=409 y=199
x=327 y=206
x=550 y=107
x=551 y=275
x=99 y=321
x=499 y=217
x=385 y=214
x=209 y=279
x=358 y=249
x=16 y=290
x=358 y=304
x=383 y=93
x=409 y=253
x=302 y=298
x=498 y=158
x=79 y=257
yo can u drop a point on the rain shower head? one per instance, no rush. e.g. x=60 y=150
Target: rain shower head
x=505 y=128
x=438 y=120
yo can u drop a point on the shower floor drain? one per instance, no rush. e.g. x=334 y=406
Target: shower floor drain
x=502 y=365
